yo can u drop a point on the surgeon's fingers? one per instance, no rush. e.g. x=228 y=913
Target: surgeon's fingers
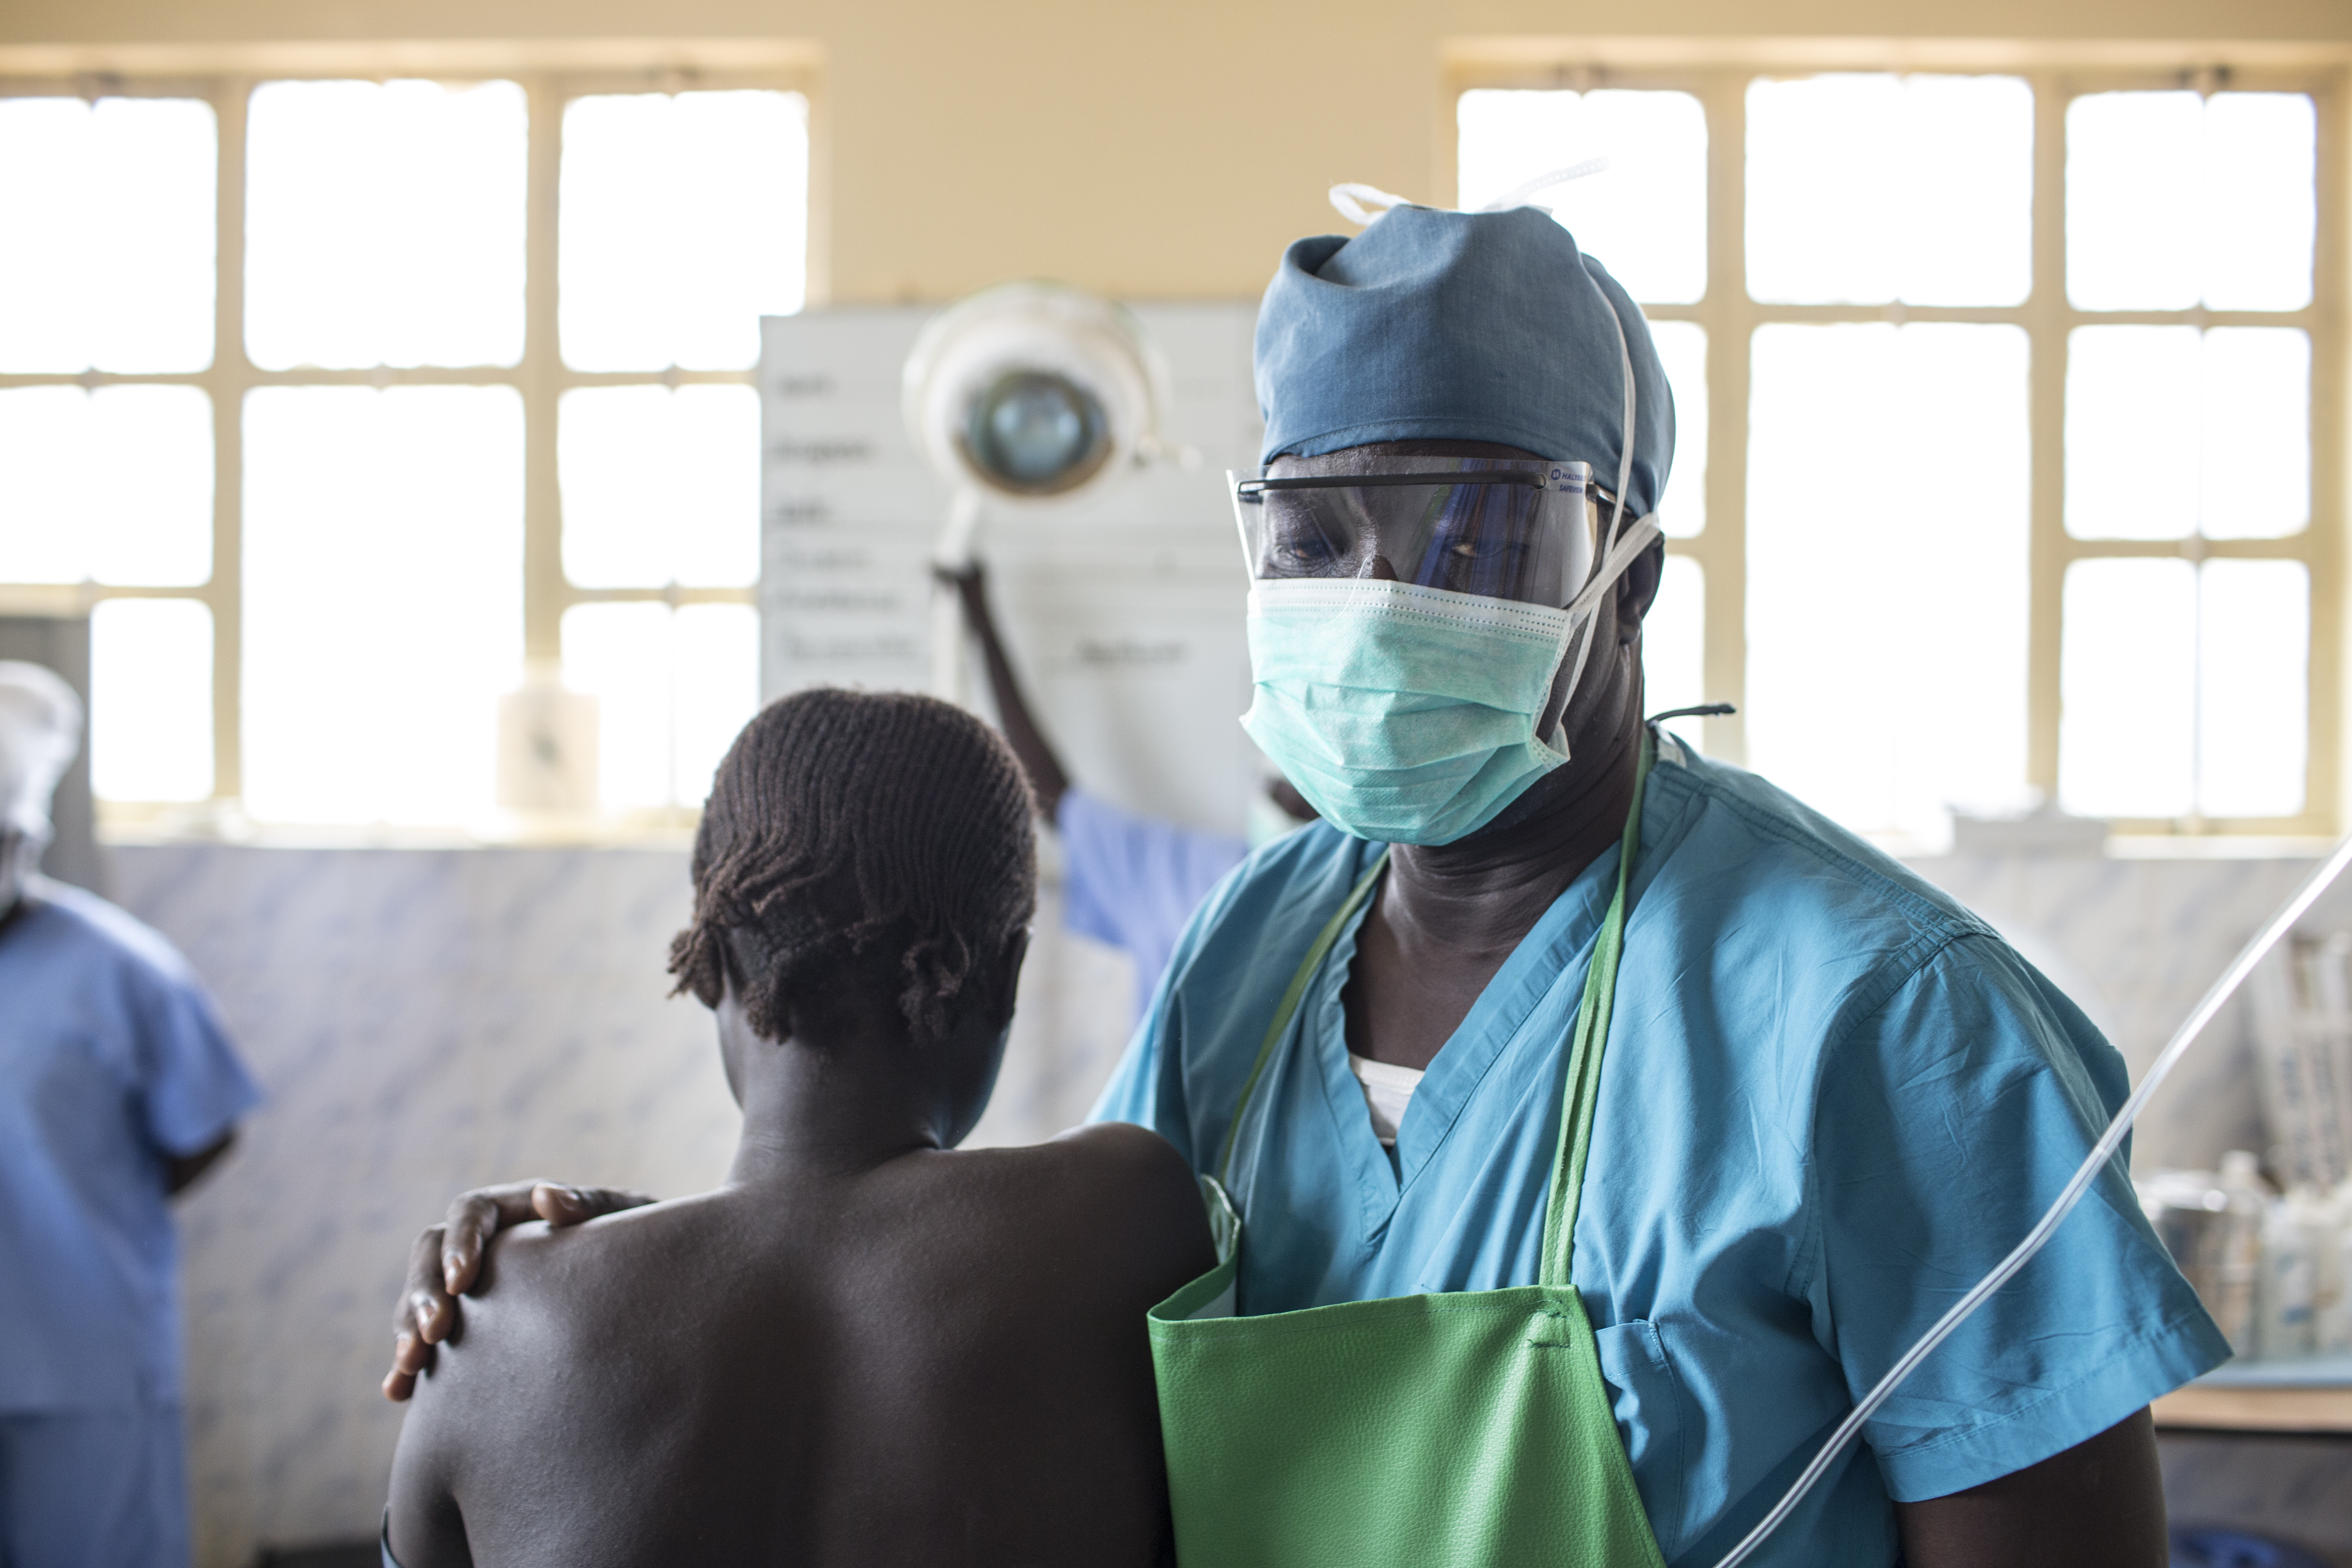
x=424 y=1316
x=410 y=1356
x=562 y=1205
x=474 y=1217
x=426 y=1310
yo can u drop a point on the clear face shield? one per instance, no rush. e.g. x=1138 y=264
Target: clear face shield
x=1495 y=528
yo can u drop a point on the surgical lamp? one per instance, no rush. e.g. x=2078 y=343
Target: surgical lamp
x=1027 y=395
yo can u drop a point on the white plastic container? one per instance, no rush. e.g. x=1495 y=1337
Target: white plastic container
x=2332 y=1307
x=2242 y=1246
x=2287 y=1288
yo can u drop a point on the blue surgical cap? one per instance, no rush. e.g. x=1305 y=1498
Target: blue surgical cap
x=1436 y=325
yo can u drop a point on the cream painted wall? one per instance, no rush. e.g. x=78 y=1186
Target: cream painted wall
x=1166 y=151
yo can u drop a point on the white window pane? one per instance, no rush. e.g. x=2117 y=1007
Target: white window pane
x=44 y=458
x=684 y=220
x=1673 y=646
x=45 y=178
x=660 y=486
x=1643 y=218
x=2127 y=670
x=2131 y=165
x=1823 y=161
x=2145 y=404
x=1886 y=602
x=384 y=224
x=114 y=485
x=2131 y=432
x=2253 y=647
x=717 y=692
x=1868 y=189
x=383 y=599
x=621 y=654
x=1504 y=137
x=2258 y=207
x=673 y=689
x=1968 y=203
x=150 y=700
x=1682 y=349
x=2171 y=199
x=110 y=212
x=150 y=498
x=2256 y=408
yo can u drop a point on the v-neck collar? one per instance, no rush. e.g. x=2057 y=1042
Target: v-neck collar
x=1554 y=952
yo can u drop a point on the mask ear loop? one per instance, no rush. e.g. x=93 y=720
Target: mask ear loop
x=1361 y=202
x=1616 y=553
x=1350 y=199
x=1517 y=195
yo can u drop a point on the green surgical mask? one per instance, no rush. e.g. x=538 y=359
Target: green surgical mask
x=1411 y=715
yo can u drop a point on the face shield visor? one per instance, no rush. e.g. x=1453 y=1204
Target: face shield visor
x=1512 y=529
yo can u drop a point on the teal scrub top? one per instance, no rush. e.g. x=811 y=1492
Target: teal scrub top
x=1832 y=1099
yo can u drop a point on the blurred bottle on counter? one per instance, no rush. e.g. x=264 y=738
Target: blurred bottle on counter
x=2286 y=1282
x=2332 y=1305
x=2213 y=1225
x=2275 y=1270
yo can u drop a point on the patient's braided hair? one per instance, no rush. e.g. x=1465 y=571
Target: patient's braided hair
x=859 y=845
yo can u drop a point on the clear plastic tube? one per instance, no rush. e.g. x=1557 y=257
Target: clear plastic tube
x=2101 y=1152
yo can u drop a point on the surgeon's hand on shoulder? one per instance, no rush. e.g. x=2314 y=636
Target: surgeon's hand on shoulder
x=448 y=1258
x=2099 y=1504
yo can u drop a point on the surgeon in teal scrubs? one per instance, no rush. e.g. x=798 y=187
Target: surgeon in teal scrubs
x=1831 y=1098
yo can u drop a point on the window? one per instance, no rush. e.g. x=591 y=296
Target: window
x=351 y=400
x=1996 y=477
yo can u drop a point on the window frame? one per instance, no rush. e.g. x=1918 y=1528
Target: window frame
x=549 y=80
x=1718 y=77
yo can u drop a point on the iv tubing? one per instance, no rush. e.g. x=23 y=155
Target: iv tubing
x=2101 y=1152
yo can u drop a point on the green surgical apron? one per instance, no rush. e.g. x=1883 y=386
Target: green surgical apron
x=1468 y=1429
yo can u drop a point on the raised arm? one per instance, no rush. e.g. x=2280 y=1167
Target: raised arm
x=1046 y=778
x=2099 y=1504
x=448 y=1257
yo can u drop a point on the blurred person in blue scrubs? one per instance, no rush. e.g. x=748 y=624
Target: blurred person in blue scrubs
x=117 y=1089
x=1128 y=880
x=1831 y=1099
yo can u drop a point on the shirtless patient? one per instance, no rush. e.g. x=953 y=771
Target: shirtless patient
x=865 y=1347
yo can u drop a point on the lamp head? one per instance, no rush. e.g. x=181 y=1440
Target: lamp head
x=1034 y=392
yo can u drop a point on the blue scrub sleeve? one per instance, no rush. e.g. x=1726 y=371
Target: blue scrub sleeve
x=1134 y=882
x=1954 y=1112
x=192 y=1085
x=1148 y=1087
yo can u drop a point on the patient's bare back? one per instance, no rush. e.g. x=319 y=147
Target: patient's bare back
x=941 y=1359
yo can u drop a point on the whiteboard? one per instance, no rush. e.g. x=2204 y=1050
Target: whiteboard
x=1122 y=612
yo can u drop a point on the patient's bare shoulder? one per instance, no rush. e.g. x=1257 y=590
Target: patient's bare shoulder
x=551 y=1298
x=464 y=1405
x=499 y=1405
x=584 y=1282
x=1142 y=1165
x=1131 y=1194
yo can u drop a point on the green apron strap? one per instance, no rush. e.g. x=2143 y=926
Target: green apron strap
x=1288 y=1007
x=1581 y=1092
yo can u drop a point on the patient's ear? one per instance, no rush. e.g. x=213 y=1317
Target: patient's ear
x=1006 y=980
